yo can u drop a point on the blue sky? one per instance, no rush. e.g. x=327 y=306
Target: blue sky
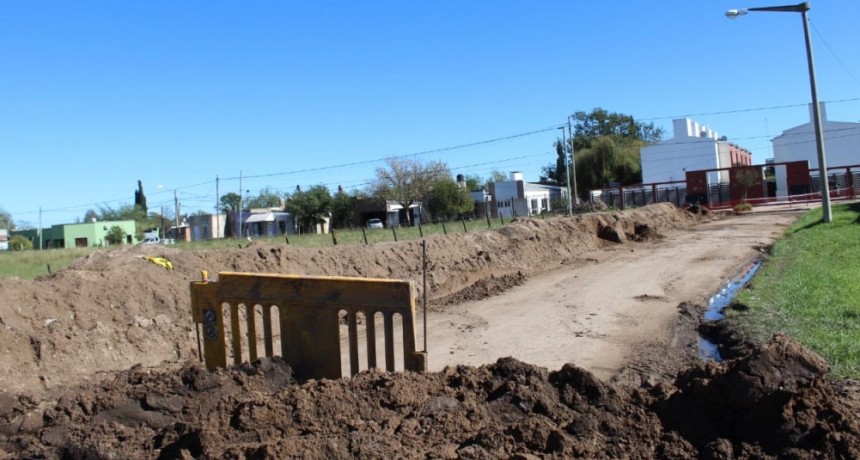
x=97 y=95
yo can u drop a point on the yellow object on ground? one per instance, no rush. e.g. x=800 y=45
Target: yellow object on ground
x=160 y=261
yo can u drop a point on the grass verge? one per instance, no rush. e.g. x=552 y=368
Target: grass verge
x=30 y=264
x=809 y=288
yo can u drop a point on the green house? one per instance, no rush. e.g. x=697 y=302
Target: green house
x=88 y=234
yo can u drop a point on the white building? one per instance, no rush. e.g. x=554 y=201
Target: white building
x=207 y=226
x=4 y=239
x=520 y=198
x=693 y=147
x=841 y=146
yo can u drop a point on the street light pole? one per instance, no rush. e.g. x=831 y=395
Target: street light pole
x=572 y=159
x=802 y=8
x=566 y=172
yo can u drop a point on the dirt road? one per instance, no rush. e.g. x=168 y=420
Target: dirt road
x=610 y=307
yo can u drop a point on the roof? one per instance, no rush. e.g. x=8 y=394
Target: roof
x=260 y=217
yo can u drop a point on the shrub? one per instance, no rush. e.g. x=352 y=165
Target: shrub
x=743 y=207
x=20 y=243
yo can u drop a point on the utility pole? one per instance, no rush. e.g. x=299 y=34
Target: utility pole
x=40 y=228
x=217 y=208
x=240 y=205
x=566 y=172
x=572 y=159
x=176 y=202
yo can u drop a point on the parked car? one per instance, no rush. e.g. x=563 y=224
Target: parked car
x=374 y=223
x=151 y=240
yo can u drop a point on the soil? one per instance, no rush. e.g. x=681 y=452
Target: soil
x=570 y=337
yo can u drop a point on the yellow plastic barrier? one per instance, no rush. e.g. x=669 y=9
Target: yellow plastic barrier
x=308 y=312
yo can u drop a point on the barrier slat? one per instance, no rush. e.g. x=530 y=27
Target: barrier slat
x=370 y=320
x=268 y=339
x=251 y=311
x=236 y=333
x=353 y=342
x=389 y=341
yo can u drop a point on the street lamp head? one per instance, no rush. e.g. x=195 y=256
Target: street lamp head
x=734 y=13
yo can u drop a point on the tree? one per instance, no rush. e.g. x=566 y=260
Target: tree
x=556 y=174
x=267 y=198
x=20 y=243
x=619 y=127
x=141 y=219
x=747 y=178
x=139 y=197
x=310 y=207
x=406 y=181
x=605 y=147
x=115 y=235
x=473 y=182
x=447 y=199
x=606 y=164
x=230 y=203
x=6 y=219
x=90 y=215
x=495 y=176
x=342 y=208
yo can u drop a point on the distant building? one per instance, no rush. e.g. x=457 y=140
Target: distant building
x=4 y=239
x=515 y=197
x=207 y=226
x=390 y=212
x=841 y=145
x=83 y=235
x=259 y=222
x=693 y=147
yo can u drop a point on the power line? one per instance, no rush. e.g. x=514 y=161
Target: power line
x=827 y=45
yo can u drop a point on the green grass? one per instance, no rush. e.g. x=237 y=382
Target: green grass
x=30 y=264
x=809 y=288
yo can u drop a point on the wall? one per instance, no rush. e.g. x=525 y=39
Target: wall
x=95 y=232
x=692 y=148
x=207 y=226
x=841 y=146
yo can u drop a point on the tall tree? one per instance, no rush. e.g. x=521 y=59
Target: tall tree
x=605 y=164
x=447 y=199
x=6 y=221
x=605 y=147
x=230 y=203
x=139 y=197
x=342 y=208
x=310 y=207
x=620 y=127
x=556 y=174
x=406 y=181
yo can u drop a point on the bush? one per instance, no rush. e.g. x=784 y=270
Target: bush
x=19 y=243
x=742 y=207
x=115 y=235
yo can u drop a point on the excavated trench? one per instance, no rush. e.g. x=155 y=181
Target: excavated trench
x=709 y=348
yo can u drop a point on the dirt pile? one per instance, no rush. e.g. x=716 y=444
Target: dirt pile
x=773 y=403
x=113 y=309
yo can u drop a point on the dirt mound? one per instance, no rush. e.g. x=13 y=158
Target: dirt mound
x=772 y=403
x=113 y=309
